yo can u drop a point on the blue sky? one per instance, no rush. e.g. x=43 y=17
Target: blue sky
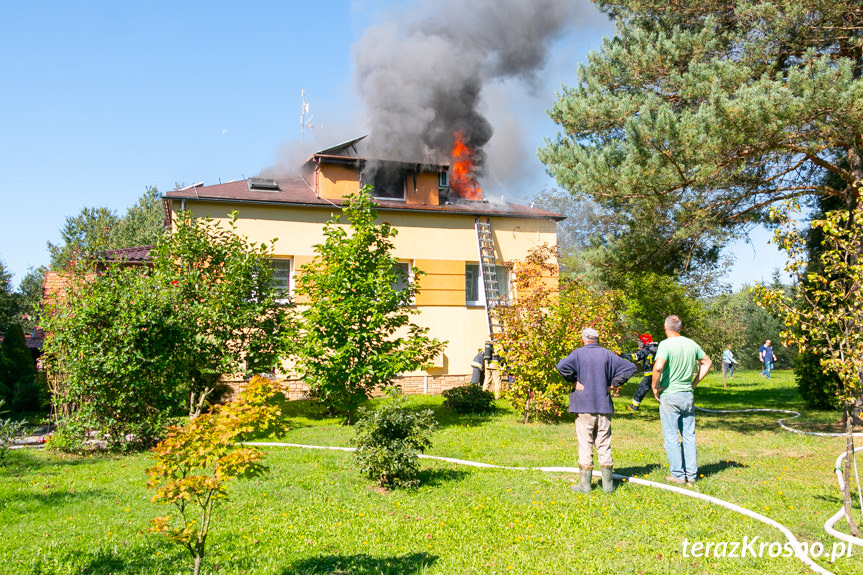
x=103 y=99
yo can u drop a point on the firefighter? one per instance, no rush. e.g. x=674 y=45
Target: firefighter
x=478 y=365
x=645 y=354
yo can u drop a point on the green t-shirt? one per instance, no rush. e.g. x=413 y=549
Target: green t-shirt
x=681 y=355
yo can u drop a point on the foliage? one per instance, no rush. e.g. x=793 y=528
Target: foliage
x=131 y=347
x=224 y=299
x=143 y=224
x=7 y=298
x=196 y=463
x=83 y=236
x=468 y=399
x=817 y=387
x=94 y=230
x=9 y=430
x=388 y=440
x=18 y=372
x=696 y=117
x=826 y=316
x=113 y=351
x=355 y=332
x=544 y=325
x=30 y=298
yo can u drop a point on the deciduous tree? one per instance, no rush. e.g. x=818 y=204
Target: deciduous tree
x=355 y=330
x=543 y=326
x=827 y=316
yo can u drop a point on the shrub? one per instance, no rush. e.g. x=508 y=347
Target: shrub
x=817 y=387
x=468 y=399
x=388 y=440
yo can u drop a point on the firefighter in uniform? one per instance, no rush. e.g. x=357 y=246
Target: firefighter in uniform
x=478 y=366
x=645 y=355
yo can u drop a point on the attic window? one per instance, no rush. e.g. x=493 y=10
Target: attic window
x=263 y=185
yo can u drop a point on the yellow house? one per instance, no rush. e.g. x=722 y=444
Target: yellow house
x=447 y=237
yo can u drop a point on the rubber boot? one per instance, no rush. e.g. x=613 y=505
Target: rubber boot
x=607 y=479
x=584 y=480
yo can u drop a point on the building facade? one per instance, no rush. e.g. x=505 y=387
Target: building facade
x=438 y=233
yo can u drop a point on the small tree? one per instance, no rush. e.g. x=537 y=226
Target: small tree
x=355 y=333
x=827 y=316
x=543 y=326
x=195 y=464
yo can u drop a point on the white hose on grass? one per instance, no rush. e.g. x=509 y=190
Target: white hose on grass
x=828 y=525
x=798 y=548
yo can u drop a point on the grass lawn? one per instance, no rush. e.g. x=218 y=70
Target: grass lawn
x=313 y=513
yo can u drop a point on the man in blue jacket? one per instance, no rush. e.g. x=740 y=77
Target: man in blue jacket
x=593 y=370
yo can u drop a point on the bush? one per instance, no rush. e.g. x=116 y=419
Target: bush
x=388 y=440
x=817 y=387
x=468 y=399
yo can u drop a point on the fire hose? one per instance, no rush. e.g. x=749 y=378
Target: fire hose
x=792 y=539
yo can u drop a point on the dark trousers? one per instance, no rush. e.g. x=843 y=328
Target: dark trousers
x=644 y=387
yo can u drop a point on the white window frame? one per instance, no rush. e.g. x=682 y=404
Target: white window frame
x=290 y=279
x=503 y=280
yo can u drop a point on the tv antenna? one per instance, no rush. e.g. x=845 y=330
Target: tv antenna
x=305 y=122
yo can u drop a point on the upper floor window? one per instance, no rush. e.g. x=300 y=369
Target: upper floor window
x=474 y=291
x=387 y=182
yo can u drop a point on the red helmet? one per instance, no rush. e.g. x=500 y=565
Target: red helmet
x=645 y=338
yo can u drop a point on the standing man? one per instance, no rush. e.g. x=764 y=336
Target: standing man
x=767 y=357
x=728 y=363
x=680 y=364
x=645 y=354
x=593 y=370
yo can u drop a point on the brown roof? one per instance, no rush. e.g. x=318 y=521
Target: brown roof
x=294 y=191
x=135 y=255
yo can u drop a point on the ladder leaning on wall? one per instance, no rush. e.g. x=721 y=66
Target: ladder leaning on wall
x=488 y=273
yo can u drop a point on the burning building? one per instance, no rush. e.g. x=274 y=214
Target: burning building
x=462 y=242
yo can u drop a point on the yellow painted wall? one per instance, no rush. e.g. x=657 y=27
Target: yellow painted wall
x=438 y=244
x=337 y=181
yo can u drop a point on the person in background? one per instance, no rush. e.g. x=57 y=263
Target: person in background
x=728 y=363
x=645 y=354
x=594 y=371
x=680 y=365
x=478 y=366
x=767 y=357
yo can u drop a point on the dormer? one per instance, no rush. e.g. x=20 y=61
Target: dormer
x=335 y=172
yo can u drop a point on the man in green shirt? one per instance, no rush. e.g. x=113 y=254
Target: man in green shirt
x=680 y=364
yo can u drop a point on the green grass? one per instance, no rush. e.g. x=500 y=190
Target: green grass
x=313 y=513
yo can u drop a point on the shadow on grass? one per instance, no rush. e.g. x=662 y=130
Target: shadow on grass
x=636 y=470
x=362 y=565
x=121 y=560
x=56 y=499
x=430 y=477
x=718 y=467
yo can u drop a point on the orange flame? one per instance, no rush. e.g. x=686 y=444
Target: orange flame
x=462 y=180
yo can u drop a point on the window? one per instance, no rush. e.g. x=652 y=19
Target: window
x=282 y=279
x=387 y=182
x=474 y=291
x=404 y=269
